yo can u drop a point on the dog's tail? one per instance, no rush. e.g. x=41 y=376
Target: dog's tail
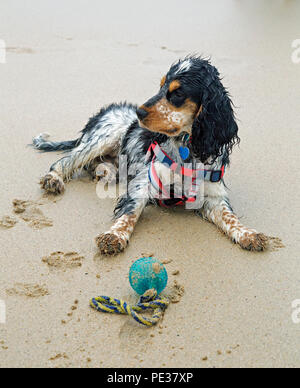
x=41 y=143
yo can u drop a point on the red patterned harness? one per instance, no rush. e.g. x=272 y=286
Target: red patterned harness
x=195 y=175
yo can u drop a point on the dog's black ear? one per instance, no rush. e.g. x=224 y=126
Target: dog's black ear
x=214 y=130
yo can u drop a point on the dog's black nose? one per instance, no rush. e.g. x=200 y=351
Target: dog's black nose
x=141 y=113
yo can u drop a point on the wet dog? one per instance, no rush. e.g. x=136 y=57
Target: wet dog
x=191 y=120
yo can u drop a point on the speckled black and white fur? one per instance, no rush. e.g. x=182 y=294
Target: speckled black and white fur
x=191 y=100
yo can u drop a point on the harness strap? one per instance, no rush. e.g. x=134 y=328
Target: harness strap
x=156 y=153
x=208 y=175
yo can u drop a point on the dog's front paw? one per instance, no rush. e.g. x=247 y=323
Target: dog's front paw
x=254 y=241
x=53 y=183
x=110 y=244
x=260 y=242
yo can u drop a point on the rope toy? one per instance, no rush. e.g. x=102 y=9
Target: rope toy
x=148 y=301
x=148 y=277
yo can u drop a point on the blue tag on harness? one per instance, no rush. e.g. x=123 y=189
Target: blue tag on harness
x=184 y=152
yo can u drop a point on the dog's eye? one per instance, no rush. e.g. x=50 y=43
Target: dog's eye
x=178 y=93
x=177 y=97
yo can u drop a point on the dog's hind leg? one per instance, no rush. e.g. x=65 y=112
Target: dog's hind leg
x=63 y=170
x=101 y=137
x=103 y=169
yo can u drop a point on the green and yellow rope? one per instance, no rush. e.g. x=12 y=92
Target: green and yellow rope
x=148 y=301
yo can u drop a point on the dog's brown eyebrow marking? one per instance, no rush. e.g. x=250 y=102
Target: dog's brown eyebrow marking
x=163 y=81
x=174 y=86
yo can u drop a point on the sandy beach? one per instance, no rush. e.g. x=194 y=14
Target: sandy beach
x=63 y=61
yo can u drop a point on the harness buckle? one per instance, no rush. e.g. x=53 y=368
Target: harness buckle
x=216 y=176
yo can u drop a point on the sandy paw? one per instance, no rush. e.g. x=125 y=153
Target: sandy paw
x=7 y=222
x=257 y=242
x=106 y=172
x=110 y=244
x=28 y=212
x=28 y=289
x=63 y=261
x=53 y=183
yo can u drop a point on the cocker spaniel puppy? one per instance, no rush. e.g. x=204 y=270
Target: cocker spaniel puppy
x=176 y=146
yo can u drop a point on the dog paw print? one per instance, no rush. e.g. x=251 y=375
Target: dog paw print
x=31 y=214
x=63 y=261
x=28 y=289
x=7 y=222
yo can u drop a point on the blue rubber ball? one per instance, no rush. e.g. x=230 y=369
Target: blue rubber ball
x=147 y=273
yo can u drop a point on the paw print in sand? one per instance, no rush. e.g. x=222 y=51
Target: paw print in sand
x=29 y=212
x=63 y=261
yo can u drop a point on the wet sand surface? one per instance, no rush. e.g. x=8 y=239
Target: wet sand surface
x=64 y=61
